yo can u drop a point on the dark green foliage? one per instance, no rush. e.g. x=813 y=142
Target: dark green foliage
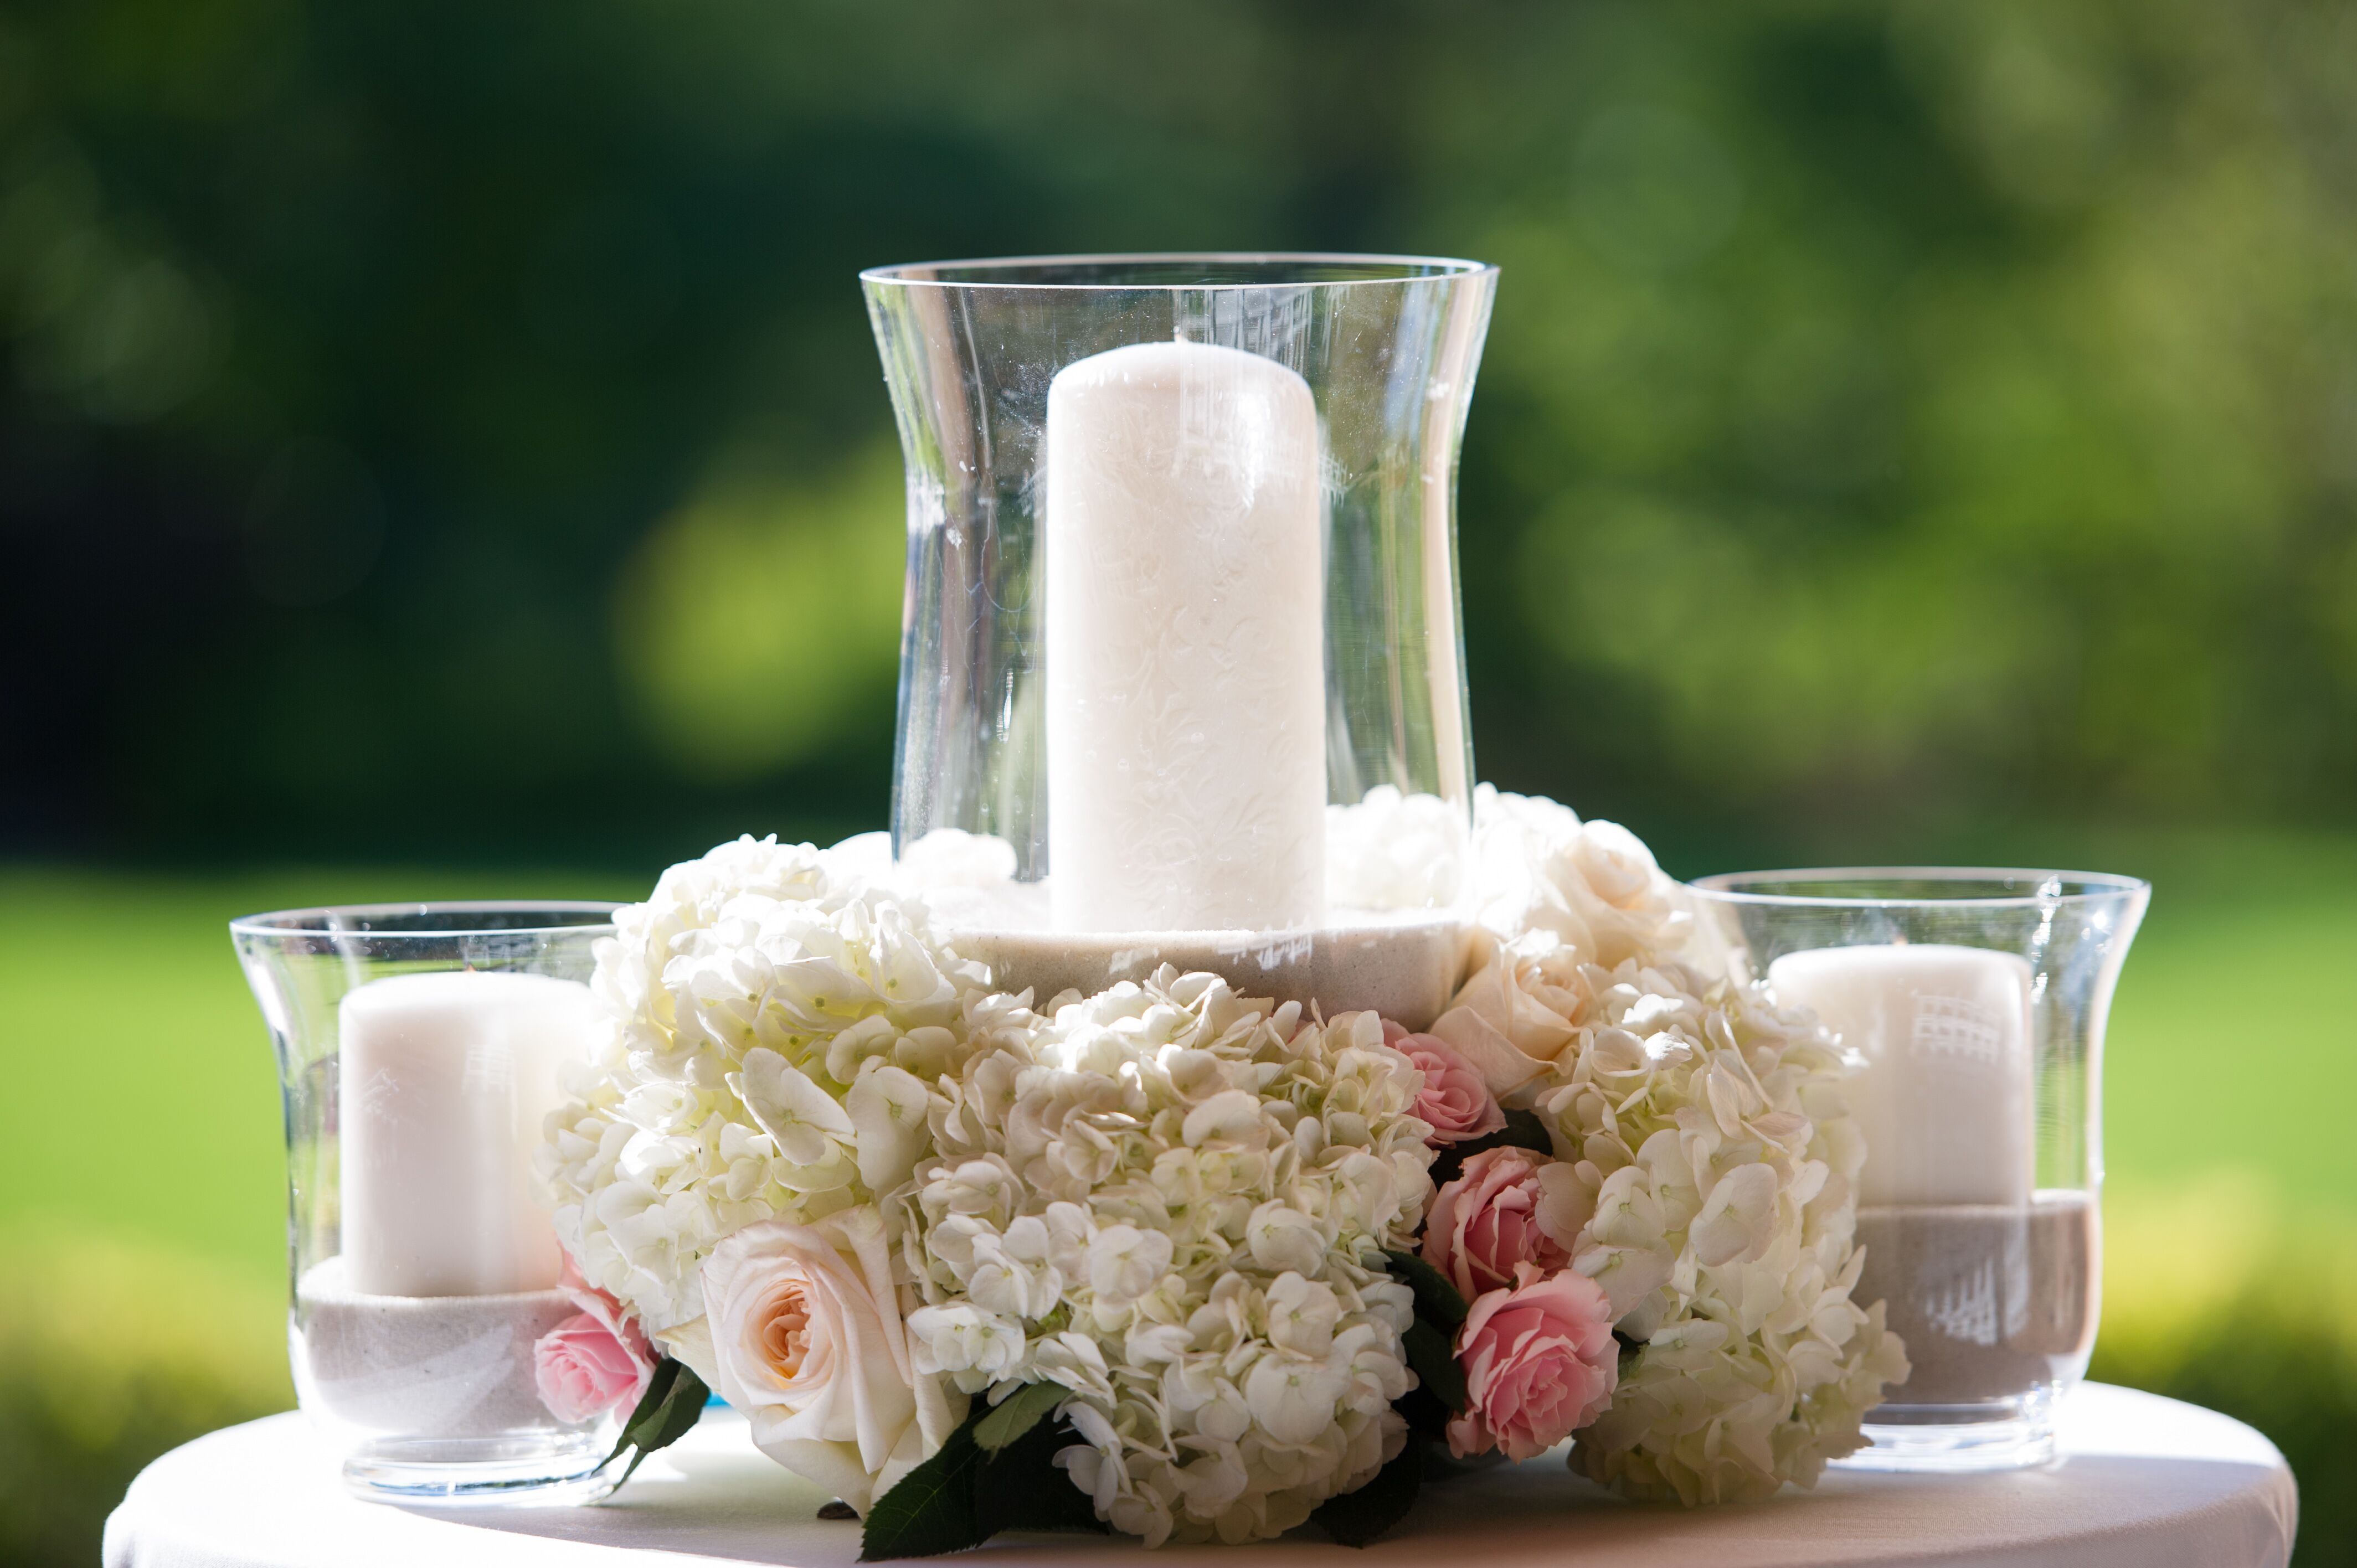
x=1524 y=1129
x=966 y=1493
x=930 y=1510
x=671 y=1407
x=1023 y=1410
x=1360 y=1517
x=1429 y=1356
x=1439 y=1394
x=1928 y=443
x=1428 y=1419
x=1021 y=1488
x=1436 y=1299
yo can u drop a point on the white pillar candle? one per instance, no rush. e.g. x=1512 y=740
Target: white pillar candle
x=445 y=1081
x=1945 y=1096
x=1186 y=671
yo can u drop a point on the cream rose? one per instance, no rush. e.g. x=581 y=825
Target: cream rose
x=1593 y=885
x=1515 y=1012
x=808 y=1342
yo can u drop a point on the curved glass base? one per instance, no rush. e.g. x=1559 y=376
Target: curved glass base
x=538 y=1472
x=1995 y=1434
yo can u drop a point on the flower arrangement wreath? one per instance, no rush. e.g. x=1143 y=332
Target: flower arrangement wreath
x=1195 y=1266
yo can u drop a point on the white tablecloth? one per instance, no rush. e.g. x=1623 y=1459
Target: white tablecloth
x=2143 y=1482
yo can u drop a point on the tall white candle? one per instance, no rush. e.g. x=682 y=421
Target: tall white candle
x=1945 y=1096
x=445 y=1081
x=1186 y=678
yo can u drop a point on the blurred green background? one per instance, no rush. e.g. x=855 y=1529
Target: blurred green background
x=441 y=453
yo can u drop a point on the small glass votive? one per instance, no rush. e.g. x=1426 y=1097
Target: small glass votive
x=1973 y=1003
x=420 y=1050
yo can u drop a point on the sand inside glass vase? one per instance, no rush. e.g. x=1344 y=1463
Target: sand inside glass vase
x=1400 y=957
x=1995 y=1302
x=441 y=1365
x=1404 y=968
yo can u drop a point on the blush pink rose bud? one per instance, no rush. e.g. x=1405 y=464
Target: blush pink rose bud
x=593 y=1362
x=1540 y=1362
x=1510 y=1206
x=1455 y=1101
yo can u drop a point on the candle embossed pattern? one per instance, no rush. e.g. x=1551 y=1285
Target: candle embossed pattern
x=1184 y=679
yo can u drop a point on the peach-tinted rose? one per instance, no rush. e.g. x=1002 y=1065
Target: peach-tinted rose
x=1454 y=1102
x=808 y=1342
x=595 y=1361
x=1539 y=1363
x=1510 y=1205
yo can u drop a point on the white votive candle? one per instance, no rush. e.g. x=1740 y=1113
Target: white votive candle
x=1945 y=1096
x=1186 y=677
x=445 y=1081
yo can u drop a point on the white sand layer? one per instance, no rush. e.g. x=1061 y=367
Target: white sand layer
x=451 y=1366
x=1404 y=969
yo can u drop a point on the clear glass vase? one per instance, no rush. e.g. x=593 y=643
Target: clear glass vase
x=419 y=1052
x=1181 y=672
x=1973 y=1003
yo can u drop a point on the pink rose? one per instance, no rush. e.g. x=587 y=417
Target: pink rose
x=1454 y=1100
x=1511 y=1205
x=595 y=1361
x=1539 y=1363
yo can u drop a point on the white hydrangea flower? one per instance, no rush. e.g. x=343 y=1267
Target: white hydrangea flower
x=768 y=1021
x=1171 y=1201
x=1716 y=1160
x=1718 y=1164
x=1394 y=852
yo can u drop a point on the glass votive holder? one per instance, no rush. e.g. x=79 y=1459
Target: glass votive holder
x=1973 y=1004
x=420 y=1050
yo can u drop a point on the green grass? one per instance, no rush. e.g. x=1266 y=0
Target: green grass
x=2234 y=1040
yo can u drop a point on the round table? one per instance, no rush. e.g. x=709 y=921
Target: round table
x=2142 y=1481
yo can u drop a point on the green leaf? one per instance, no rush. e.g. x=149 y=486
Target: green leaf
x=1019 y=1487
x=1360 y=1517
x=671 y=1407
x=1436 y=1298
x=930 y=1511
x=1018 y=1413
x=1435 y=1364
x=1524 y=1129
x=1427 y=1417
x=642 y=1416
x=966 y=1494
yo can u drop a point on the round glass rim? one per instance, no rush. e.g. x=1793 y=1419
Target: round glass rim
x=357 y=920
x=1001 y=272
x=2082 y=886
